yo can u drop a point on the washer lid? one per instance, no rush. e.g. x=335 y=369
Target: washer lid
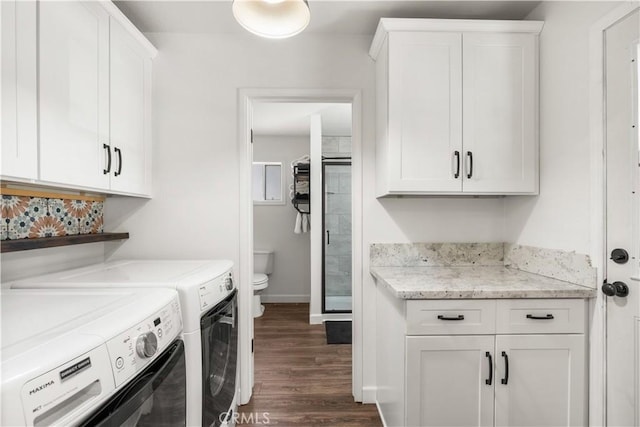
x=182 y=274
x=37 y=318
x=41 y=314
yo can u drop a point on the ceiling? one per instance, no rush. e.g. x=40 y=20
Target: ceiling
x=327 y=16
x=293 y=118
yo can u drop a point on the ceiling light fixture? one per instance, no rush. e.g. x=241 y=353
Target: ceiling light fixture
x=274 y=19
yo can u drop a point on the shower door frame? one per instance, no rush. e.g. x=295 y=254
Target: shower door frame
x=333 y=161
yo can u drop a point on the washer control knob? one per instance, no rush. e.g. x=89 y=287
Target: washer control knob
x=147 y=345
x=229 y=283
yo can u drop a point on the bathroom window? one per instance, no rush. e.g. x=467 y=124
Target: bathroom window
x=268 y=186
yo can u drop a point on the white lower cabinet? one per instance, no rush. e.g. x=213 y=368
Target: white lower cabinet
x=530 y=380
x=545 y=384
x=446 y=381
x=459 y=362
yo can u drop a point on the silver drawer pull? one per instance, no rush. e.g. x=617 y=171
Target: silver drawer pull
x=460 y=317
x=547 y=317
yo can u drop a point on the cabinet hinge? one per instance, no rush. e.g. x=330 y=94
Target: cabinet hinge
x=251 y=345
x=252 y=136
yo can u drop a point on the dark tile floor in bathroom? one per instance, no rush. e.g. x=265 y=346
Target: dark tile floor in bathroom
x=300 y=380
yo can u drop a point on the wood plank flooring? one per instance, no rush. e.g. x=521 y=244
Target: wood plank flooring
x=300 y=380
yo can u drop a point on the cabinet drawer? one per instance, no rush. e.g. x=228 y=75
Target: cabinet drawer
x=451 y=317
x=533 y=316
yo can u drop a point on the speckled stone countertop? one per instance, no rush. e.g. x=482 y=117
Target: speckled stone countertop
x=477 y=282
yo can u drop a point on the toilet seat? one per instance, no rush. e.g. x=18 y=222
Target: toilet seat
x=260 y=281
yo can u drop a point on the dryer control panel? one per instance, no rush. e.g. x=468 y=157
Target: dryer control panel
x=214 y=291
x=132 y=350
x=68 y=391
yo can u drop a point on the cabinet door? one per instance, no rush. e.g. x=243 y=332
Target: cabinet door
x=447 y=381
x=425 y=112
x=130 y=107
x=546 y=380
x=500 y=113
x=74 y=93
x=19 y=100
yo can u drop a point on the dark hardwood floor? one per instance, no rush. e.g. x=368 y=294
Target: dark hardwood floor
x=300 y=380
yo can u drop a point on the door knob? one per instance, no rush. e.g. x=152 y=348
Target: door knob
x=619 y=256
x=618 y=289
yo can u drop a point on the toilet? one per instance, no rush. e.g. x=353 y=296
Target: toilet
x=262 y=265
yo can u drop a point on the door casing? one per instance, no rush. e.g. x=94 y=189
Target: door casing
x=246 y=98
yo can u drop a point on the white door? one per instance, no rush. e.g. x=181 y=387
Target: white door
x=425 y=112
x=500 y=113
x=623 y=228
x=450 y=381
x=74 y=93
x=130 y=98
x=18 y=88
x=540 y=380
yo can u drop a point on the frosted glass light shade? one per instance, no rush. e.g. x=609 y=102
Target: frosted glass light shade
x=276 y=19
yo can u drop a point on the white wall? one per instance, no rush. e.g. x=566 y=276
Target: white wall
x=19 y=265
x=273 y=225
x=559 y=218
x=194 y=210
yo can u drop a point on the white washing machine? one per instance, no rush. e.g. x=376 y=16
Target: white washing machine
x=78 y=357
x=208 y=299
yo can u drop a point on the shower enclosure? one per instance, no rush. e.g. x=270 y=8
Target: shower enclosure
x=336 y=211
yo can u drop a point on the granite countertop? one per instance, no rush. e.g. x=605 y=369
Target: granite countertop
x=474 y=282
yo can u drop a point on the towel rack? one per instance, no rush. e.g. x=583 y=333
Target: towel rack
x=301 y=200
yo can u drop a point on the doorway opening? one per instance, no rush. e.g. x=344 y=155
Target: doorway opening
x=252 y=104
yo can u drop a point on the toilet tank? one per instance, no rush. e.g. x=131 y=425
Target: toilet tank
x=262 y=261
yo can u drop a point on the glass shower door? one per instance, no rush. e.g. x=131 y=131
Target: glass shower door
x=336 y=281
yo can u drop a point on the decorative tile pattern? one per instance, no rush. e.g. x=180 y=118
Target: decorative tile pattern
x=33 y=217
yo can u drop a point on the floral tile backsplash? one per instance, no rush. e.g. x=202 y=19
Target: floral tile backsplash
x=26 y=217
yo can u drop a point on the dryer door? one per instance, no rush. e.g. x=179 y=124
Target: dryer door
x=154 y=398
x=219 y=329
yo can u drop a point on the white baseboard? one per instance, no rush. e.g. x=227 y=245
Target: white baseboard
x=369 y=394
x=337 y=316
x=315 y=319
x=284 y=298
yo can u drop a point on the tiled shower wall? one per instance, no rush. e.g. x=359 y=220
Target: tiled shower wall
x=338 y=222
x=26 y=217
x=336 y=146
x=337 y=217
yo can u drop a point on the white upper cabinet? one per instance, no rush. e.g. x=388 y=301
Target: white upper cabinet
x=18 y=120
x=456 y=107
x=500 y=85
x=130 y=130
x=74 y=93
x=76 y=97
x=425 y=113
